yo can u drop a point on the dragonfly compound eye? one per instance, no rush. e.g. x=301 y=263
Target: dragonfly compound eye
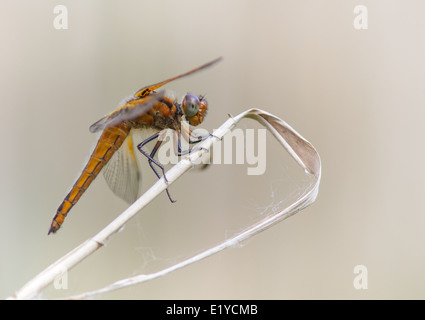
x=190 y=105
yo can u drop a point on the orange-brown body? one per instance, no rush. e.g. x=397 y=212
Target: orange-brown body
x=109 y=142
x=161 y=116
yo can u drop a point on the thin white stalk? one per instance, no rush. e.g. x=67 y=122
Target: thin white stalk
x=303 y=152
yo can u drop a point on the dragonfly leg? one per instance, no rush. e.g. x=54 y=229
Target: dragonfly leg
x=181 y=152
x=152 y=161
x=201 y=137
x=198 y=139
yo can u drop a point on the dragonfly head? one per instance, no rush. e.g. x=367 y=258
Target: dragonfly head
x=194 y=108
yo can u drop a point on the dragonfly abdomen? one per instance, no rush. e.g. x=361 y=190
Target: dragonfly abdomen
x=110 y=140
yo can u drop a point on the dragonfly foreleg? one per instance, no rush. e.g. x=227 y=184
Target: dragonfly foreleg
x=152 y=161
x=181 y=152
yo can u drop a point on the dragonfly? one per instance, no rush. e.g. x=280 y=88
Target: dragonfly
x=147 y=109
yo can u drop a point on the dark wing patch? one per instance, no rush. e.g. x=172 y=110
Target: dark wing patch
x=131 y=110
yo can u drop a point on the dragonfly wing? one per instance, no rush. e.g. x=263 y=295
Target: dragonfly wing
x=131 y=110
x=142 y=103
x=122 y=173
x=99 y=125
x=148 y=89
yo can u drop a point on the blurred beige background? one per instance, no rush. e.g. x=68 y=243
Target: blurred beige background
x=357 y=95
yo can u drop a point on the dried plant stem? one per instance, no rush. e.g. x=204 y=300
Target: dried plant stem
x=303 y=152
